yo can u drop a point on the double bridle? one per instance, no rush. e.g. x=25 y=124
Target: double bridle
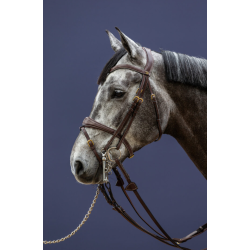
x=106 y=158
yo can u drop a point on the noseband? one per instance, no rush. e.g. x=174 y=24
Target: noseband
x=121 y=133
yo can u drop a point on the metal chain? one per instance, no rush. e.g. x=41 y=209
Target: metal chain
x=83 y=221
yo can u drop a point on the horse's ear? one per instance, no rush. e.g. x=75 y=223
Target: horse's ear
x=133 y=49
x=115 y=43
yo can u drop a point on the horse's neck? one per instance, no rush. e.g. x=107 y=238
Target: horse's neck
x=188 y=122
x=184 y=110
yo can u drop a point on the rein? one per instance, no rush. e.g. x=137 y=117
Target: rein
x=106 y=159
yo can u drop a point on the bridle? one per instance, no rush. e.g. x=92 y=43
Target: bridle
x=121 y=133
x=128 y=119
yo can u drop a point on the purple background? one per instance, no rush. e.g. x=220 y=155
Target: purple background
x=76 y=49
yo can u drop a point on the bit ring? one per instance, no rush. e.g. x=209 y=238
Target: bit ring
x=109 y=154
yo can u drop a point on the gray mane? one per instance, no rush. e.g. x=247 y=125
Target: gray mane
x=185 y=69
x=179 y=68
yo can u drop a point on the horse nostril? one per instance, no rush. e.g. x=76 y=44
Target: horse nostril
x=78 y=168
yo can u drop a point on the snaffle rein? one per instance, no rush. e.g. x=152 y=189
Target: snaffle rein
x=121 y=133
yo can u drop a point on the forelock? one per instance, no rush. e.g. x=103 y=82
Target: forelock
x=110 y=64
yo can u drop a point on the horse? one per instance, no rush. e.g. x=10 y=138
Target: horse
x=179 y=83
x=135 y=77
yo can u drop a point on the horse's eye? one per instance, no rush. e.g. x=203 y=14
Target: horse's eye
x=118 y=94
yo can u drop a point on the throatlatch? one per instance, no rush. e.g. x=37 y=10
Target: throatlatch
x=106 y=160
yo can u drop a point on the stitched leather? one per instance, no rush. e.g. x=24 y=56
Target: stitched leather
x=90 y=123
x=119 y=164
x=110 y=199
x=131 y=187
x=130 y=67
x=91 y=145
x=150 y=59
x=123 y=123
x=129 y=124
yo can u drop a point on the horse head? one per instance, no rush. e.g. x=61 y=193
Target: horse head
x=116 y=93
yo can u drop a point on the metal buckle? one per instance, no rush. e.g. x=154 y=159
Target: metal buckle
x=153 y=95
x=131 y=156
x=146 y=72
x=110 y=155
x=137 y=90
x=138 y=99
x=91 y=141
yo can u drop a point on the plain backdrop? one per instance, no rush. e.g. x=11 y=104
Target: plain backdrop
x=76 y=48
x=58 y=205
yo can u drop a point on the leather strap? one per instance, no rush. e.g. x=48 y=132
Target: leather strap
x=133 y=187
x=110 y=199
x=119 y=164
x=190 y=236
x=122 y=125
x=90 y=123
x=153 y=98
x=130 y=67
x=129 y=124
x=150 y=61
x=91 y=145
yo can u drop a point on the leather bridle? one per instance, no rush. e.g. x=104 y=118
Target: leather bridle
x=121 y=133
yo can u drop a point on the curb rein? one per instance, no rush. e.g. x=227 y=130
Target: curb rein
x=107 y=157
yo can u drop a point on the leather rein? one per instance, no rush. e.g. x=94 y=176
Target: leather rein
x=121 y=133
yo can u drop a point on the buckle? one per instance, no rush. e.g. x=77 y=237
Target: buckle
x=137 y=90
x=138 y=98
x=90 y=141
x=146 y=73
x=153 y=95
x=131 y=156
